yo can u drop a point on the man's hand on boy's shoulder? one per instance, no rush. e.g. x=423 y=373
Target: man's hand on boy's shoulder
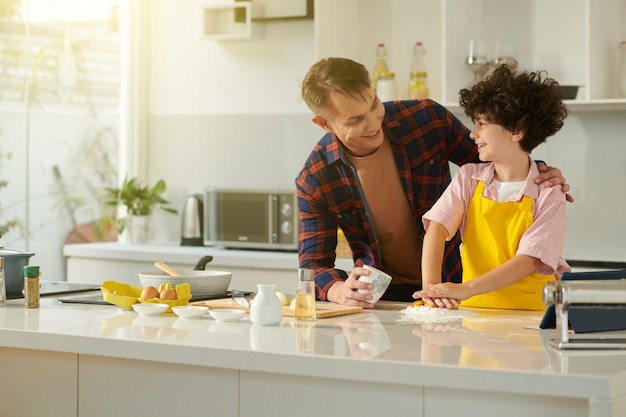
x=552 y=176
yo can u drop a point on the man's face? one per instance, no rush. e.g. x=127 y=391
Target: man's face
x=356 y=122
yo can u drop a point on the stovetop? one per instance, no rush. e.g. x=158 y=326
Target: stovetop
x=97 y=298
x=58 y=287
x=61 y=288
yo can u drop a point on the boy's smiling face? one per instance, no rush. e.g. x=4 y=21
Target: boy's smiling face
x=494 y=142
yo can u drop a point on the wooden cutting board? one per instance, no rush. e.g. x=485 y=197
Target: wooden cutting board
x=323 y=309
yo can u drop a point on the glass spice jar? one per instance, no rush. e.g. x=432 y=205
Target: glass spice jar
x=31 y=286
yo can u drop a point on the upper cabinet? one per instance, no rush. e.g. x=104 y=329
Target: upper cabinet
x=575 y=41
x=239 y=19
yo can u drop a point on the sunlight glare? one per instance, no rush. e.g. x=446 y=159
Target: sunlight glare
x=68 y=11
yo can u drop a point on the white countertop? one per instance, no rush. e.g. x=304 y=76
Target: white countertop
x=502 y=351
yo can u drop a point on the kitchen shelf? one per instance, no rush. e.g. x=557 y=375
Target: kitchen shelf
x=230 y=21
x=283 y=10
x=575 y=41
x=572 y=105
x=241 y=19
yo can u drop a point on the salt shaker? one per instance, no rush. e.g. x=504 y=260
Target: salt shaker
x=31 y=286
x=3 y=286
x=305 y=295
x=266 y=308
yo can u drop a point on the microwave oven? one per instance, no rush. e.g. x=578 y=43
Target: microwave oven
x=251 y=219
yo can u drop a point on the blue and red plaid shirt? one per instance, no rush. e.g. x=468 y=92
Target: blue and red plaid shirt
x=424 y=137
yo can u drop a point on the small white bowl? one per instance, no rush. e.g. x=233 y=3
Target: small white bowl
x=226 y=314
x=190 y=312
x=150 y=309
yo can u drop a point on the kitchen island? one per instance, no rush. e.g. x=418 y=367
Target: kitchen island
x=84 y=360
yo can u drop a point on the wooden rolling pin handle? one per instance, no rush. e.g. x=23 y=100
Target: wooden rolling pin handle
x=166 y=268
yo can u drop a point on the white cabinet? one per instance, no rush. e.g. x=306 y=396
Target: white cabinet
x=239 y=19
x=229 y=21
x=575 y=41
x=114 y=386
x=38 y=383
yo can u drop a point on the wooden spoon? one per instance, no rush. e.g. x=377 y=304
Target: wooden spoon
x=166 y=268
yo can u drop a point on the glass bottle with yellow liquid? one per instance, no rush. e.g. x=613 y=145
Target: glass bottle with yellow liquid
x=305 y=295
x=418 y=83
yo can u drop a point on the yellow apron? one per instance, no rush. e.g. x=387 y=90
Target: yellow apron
x=492 y=234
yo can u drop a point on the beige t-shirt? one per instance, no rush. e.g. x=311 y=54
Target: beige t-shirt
x=391 y=214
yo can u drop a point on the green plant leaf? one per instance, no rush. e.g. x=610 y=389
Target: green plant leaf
x=139 y=199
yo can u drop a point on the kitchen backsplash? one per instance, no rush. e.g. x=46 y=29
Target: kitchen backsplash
x=237 y=151
x=268 y=150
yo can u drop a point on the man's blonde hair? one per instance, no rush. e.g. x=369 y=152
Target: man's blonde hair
x=333 y=74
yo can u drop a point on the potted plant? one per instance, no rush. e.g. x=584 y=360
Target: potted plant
x=140 y=202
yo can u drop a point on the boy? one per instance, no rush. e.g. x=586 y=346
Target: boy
x=512 y=229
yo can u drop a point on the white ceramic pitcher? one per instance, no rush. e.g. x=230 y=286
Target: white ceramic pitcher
x=266 y=308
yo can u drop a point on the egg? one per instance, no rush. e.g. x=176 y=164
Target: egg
x=148 y=293
x=168 y=294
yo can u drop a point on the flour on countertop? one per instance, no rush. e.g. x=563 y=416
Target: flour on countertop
x=427 y=314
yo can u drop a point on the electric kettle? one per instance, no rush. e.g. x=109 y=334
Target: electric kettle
x=192 y=221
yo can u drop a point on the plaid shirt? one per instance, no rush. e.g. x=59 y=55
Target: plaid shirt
x=424 y=137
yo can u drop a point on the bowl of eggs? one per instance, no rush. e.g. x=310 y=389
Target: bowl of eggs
x=200 y=282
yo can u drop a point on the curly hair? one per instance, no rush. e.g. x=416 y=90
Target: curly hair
x=527 y=102
x=333 y=74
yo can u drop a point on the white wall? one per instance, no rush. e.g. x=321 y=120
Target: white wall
x=193 y=75
x=224 y=113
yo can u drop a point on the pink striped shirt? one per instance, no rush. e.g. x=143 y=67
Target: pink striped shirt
x=543 y=240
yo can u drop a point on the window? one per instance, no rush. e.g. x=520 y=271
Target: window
x=60 y=72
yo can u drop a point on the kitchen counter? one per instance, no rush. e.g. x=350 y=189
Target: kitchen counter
x=84 y=360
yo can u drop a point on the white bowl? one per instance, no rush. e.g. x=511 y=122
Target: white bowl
x=150 y=309
x=200 y=282
x=190 y=312
x=380 y=280
x=226 y=314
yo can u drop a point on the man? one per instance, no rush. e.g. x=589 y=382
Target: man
x=374 y=174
